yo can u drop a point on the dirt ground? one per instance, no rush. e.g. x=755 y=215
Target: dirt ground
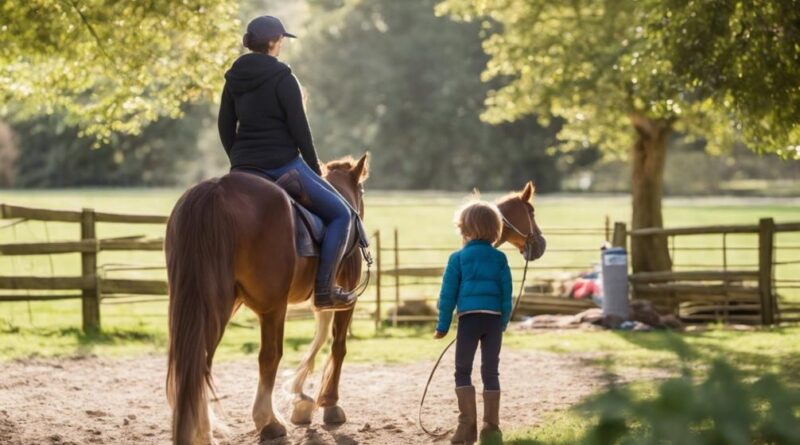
x=93 y=400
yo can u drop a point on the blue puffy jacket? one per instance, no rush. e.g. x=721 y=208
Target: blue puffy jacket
x=477 y=278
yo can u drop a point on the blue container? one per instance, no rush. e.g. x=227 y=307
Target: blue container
x=615 y=282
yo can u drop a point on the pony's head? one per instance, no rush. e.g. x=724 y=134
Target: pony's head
x=519 y=223
x=347 y=176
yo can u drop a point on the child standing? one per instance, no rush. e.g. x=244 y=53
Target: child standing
x=477 y=282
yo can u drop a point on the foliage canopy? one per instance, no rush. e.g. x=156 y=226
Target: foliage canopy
x=111 y=66
x=391 y=77
x=720 y=69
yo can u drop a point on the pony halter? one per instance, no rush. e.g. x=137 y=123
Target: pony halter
x=530 y=238
x=508 y=224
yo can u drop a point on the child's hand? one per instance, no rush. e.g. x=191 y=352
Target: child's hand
x=437 y=335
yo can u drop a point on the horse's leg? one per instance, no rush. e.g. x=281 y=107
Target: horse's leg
x=303 y=405
x=329 y=391
x=272 y=324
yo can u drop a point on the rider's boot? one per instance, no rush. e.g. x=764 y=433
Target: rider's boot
x=336 y=299
x=328 y=296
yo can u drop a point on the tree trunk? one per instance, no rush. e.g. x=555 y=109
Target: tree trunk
x=648 y=155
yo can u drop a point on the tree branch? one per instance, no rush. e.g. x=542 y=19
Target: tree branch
x=90 y=28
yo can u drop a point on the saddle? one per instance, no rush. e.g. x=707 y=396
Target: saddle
x=309 y=229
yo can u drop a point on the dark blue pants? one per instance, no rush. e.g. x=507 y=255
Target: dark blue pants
x=486 y=329
x=329 y=205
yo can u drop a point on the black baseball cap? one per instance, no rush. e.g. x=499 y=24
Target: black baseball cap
x=265 y=28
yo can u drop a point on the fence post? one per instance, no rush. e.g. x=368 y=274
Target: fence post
x=377 y=280
x=608 y=228
x=396 y=279
x=766 y=238
x=91 y=295
x=619 y=239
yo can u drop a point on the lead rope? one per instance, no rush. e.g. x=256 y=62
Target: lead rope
x=438 y=434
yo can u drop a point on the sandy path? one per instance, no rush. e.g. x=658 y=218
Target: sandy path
x=121 y=401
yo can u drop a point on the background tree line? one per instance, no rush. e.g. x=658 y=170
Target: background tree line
x=385 y=76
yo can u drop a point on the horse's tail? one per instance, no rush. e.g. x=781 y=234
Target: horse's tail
x=199 y=247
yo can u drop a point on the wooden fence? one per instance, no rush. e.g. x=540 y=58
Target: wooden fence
x=90 y=285
x=389 y=282
x=726 y=293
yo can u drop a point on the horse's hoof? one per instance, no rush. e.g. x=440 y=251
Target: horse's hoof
x=333 y=415
x=303 y=409
x=273 y=430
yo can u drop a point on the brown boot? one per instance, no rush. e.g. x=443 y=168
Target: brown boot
x=467 y=431
x=490 y=432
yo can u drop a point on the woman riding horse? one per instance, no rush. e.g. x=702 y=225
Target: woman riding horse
x=263 y=126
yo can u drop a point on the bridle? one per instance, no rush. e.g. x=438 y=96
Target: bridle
x=529 y=243
x=530 y=238
x=514 y=228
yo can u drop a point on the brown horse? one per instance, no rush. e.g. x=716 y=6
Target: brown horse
x=230 y=241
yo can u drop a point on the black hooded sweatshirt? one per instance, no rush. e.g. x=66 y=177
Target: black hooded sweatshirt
x=263 y=97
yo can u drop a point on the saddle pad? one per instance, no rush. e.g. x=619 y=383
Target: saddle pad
x=309 y=230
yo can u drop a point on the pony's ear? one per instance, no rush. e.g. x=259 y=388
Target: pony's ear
x=527 y=193
x=361 y=171
x=476 y=194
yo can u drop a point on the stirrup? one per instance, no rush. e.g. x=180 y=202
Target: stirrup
x=337 y=300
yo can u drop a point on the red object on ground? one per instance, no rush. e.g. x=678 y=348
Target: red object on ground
x=582 y=289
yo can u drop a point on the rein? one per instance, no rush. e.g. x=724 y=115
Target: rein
x=366 y=255
x=438 y=433
x=362 y=287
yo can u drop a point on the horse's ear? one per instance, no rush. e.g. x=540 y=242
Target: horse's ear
x=476 y=194
x=527 y=193
x=361 y=170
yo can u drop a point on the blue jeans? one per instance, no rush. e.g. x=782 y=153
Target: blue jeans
x=329 y=205
x=486 y=329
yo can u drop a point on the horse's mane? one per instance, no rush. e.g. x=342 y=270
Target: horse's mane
x=510 y=196
x=345 y=163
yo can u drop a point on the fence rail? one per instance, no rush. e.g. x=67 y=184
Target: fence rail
x=401 y=274
x=730 y=292
x=89 y=283
x=731 y=295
